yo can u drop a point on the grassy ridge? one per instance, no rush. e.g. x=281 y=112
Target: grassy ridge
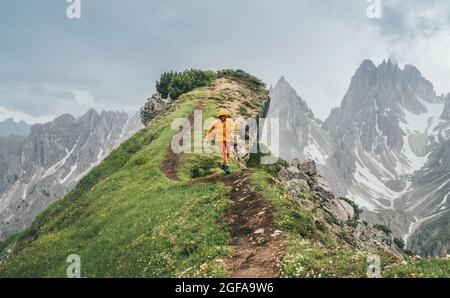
x=125 y=218
x=313 y=252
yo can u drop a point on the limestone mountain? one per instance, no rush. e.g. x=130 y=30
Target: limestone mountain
x=386 y=148
x=300 y=134
x=145 y=211
x=42 y=167
x=10 y=127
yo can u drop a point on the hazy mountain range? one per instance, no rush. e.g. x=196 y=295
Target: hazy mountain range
x=41 y=167
x=387 y=147
x=11 y=127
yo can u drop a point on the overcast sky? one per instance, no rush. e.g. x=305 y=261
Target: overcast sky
x=111 y=57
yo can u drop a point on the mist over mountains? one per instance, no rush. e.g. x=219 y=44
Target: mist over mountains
x=10 y=127
x=387 y=147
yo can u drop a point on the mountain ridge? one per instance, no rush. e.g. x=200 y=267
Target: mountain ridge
x=10 y=127
x=43 y=166
x=390 y=126
x=128 y=218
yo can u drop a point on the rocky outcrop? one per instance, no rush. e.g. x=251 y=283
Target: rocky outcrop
x=154 y=106
x=302 y=177
x=310 y=190
x=38 y=169
x=340 y=210
x=294 y=180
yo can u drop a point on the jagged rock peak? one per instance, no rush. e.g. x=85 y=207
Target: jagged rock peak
x=11 y=120
x=64 y=118
x=409 y=70
x=390 y=63
x=53 y=157
x=412 y=71
x=90 y=114
x=283 y=83
x=367 y=65
x=60 y=121
x=284 y=91
x=10 y=127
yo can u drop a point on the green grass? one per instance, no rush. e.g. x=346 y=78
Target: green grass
x=194 y=165
x=125 y=218
x=313 y=252
x=289 y=217
x=419 y=268
x=305 y=258
x=8 y=242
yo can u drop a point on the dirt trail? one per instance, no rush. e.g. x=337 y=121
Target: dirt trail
x=169 y=166
x=257 y=244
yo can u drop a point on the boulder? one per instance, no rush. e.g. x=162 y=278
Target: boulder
x=296 y=186
x=339 y=210
x=348 y=208
x=308 y=168
x=294 y=180
x=320 y=185
x=292 y=172
x=153 y=107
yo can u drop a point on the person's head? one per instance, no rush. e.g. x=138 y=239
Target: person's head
x=222 y=114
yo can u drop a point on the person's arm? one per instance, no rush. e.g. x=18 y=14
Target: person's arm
x=208 y=132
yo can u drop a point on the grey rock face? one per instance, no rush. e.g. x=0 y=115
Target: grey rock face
x=386 y=147
x=300 y=133
x=38 y=169
x=439 y=227
x=446 y=113
x=395 y=144
x=308 y=167
x=295 y=180
x=152 y=108
x=9 y=127
x=298 y=179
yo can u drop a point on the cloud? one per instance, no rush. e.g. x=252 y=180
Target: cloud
x=418 y=33
x=112 y=56
x=18 y=116
x=407 y=20
x=36 y=102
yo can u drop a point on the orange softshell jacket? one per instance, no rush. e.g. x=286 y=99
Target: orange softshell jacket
x=225 y=131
